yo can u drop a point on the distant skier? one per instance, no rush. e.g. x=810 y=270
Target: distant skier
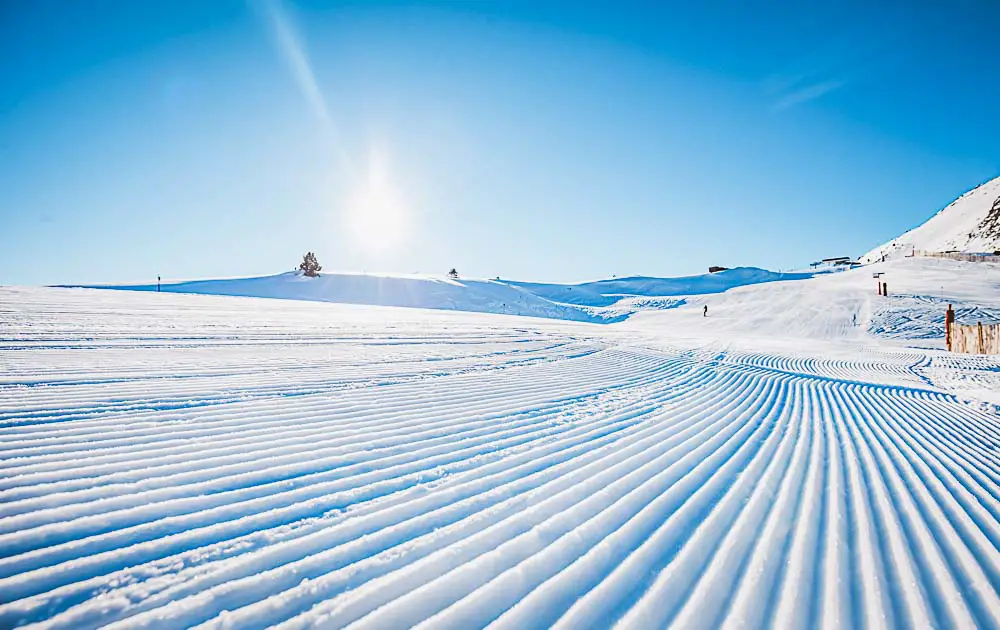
x=705 y=312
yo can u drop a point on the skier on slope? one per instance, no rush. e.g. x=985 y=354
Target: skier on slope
x=705 y=312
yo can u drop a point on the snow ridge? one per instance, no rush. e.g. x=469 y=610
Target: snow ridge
x=605 y=301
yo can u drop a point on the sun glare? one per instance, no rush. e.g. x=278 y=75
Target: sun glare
x=377 y=214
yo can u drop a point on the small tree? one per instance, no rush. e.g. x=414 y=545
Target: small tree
x=309 y=265
x=453 y=274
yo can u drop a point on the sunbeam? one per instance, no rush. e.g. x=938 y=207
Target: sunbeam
x=290 y=46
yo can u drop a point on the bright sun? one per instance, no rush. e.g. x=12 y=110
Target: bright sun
x=377 y=214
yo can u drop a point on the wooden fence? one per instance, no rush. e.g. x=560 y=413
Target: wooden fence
x=958 y=256
x=972 y=339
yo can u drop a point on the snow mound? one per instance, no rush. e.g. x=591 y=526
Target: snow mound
x=609 y=292
x=971 y=224
x=413 y=291
x=604 y=301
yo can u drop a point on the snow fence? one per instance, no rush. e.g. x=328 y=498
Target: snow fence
x=975 y=339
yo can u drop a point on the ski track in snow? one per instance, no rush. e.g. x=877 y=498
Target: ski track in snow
x=257 y=463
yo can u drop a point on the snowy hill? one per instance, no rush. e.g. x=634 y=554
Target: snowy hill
x=971 y=223
x=414 y=291
x=604 y=301
x=743 y=303
x=843 y=306
x=608 y=292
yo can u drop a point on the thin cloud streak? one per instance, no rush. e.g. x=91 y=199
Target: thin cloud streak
x=292 y=50
x=803 y=94
x=846 y=58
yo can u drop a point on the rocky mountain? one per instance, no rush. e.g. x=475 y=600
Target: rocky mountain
x=971 y=224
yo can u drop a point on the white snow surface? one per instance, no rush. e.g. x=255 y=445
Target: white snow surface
x=970 y=224
x=603 y=301
x=807 y=456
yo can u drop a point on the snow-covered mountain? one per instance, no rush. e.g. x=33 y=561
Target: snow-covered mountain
x=971 y=223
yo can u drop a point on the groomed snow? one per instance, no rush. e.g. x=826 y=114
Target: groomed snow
x=806 y=456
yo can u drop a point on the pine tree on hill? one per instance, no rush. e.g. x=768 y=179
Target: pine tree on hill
x=309 y=265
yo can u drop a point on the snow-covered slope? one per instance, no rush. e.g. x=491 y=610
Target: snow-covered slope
x=971 y=223
x=843 y=306
x=414 y=291
x=604 y=301
x=608 y=292
x=171 y=461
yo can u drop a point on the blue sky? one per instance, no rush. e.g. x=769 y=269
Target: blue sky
x=531 y=140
